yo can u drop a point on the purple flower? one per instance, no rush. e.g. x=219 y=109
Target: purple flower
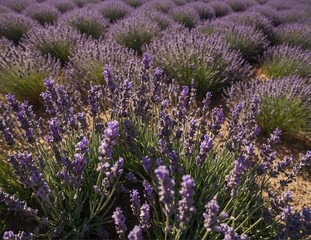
x=146 y=61
x=186 y=203
x=218 y=119
x=8 y=136
x=119 y=221
x=210 y=214
x=205 y=147
x=124 y=99
x=235 y=176
x=111 y=174
x=174 y=162
x=106 y=146
x=29 y=174
x=16 y=205
x=12 y=102
x=229 y=233
x=166 y=191
x=189 y=137
x=10 y=235
x=55 y=131
x=94 y=99
x=147 y=165
x=136 y=234
x=135 y=202
x=180 y=112
x=148 y=193
x=144 y=217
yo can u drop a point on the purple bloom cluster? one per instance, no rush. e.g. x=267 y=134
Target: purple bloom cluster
x=205 y=146
x=136 y=234
x=107 y=143
x=16 y=205
x=10 y=235
x=119 y=221
x=72 y=172
x=29 y=174
x=135 y=202
x=144 y=217
x=186 y=203
x=210 y=215
x=166 y=191
x=235 y=176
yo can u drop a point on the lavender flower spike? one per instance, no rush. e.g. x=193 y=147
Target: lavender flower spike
x=144 y=216
x=10 y=235
x=119 y=221
x=136 y=234
x=205 y=147
x=186 y=208
x=106 y=146
x=234 y=177
x=210 y=215
x=166 y=192
x=135 y=202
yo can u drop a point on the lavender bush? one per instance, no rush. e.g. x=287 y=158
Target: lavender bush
x=249 y=41
x=4 y=9
x=86 y=21
x=221 y=8
x=185 y=15
x=42 y=13
x=186 y=55
x=203 y=9
x=114 y=10
x=296 y=15
x=58 y=41
x=284 y=60
x=133 y=33
x=240 y=5
x=162 y=20
x=268 y=12
x=14 y=26
x=284 y=104
x=22 y=73
x=192 y=181
x=18 y=5
x=63 y=5
x=253 y=19
x=86 y=64
x=297 y=34
x=134 y=3
x=163 y=6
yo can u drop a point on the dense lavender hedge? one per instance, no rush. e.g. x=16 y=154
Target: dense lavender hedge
x=58 y=41
x=246 y=39
x=22 y=73
x=86 y=21
x=185 y=55
x=14 y=26
x=284 y=103
x=285 y=60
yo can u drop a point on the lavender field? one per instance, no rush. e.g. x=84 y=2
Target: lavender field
x=155 y=119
